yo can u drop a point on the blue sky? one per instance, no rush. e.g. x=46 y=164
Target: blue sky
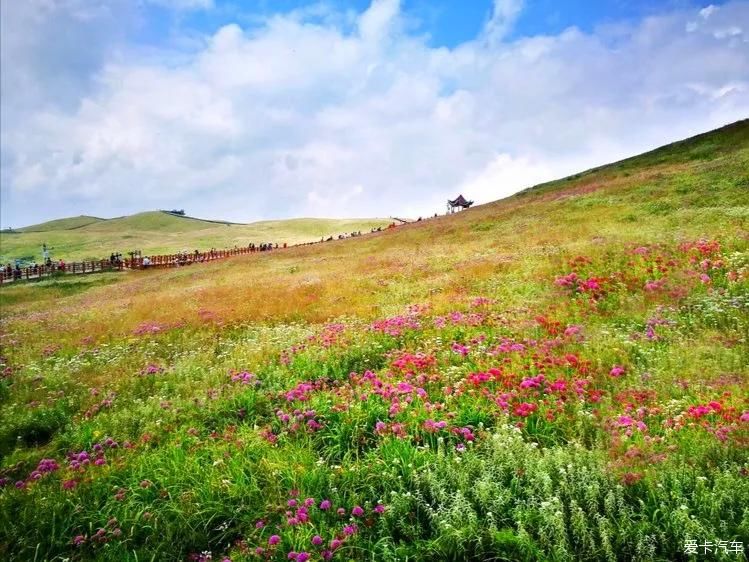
x=277 y=108
x=446 y=22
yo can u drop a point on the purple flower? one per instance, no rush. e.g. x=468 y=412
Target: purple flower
x=325 y=505
x=292 y=555
x=357 y=511
x=317 y=540
x=260 y=524
x=309 y=502
x=79 y=540
x=379 y=509
x=302 y=557
x=349 y=530
x=326 y=554
x=291 y=503
x=335 y=544
x=274 y=540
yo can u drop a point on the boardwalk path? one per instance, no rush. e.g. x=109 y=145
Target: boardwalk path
x=35 y=273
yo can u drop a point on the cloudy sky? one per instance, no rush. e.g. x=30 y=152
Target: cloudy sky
x=246 y=110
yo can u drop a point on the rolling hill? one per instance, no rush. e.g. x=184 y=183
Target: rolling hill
x=154 y=232
x=560 y=375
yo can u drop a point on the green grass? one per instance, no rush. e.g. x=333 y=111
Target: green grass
x=61 y=224
x=448 y=371
x=155 y=232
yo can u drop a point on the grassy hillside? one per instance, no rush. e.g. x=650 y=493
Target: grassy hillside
x=561 y=375
x=158 y=232
x=61 y=224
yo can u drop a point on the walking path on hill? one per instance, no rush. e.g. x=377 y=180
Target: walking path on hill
x=36 y=272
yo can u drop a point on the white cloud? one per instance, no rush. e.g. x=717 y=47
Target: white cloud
x=350 y=116
x=504 y=15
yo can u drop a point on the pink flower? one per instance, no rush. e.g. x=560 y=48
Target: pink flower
x=616 y=371
x=357 y=511
x=325 y=505
x=745 y=416
x=317 y=540
x=78 y=540
x=260 y=524
x=302 y=557
x=274 y=540
x=380 y=509
x=335 y=544
x=624 y=421
x=525 y=409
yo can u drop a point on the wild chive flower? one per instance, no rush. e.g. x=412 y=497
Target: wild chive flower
x=260 y=524
x=274 y=540
x=317 y=540
x=341 y=512
x=335 y=544
x=349 y=530
x=379 y=509
x=325 y=505
x=357 y=511
x=617 y=371
x=302 y=557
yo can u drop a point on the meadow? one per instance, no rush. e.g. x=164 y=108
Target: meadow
x=561 y=375
x=155 y=232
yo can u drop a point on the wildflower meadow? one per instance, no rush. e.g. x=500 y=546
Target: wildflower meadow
x=561 y=376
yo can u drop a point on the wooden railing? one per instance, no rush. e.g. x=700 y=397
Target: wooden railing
x=167 y=260
x=41 y=271
x=160 y=261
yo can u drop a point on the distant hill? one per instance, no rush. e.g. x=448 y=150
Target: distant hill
x=153 y=232
x=61 y=224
